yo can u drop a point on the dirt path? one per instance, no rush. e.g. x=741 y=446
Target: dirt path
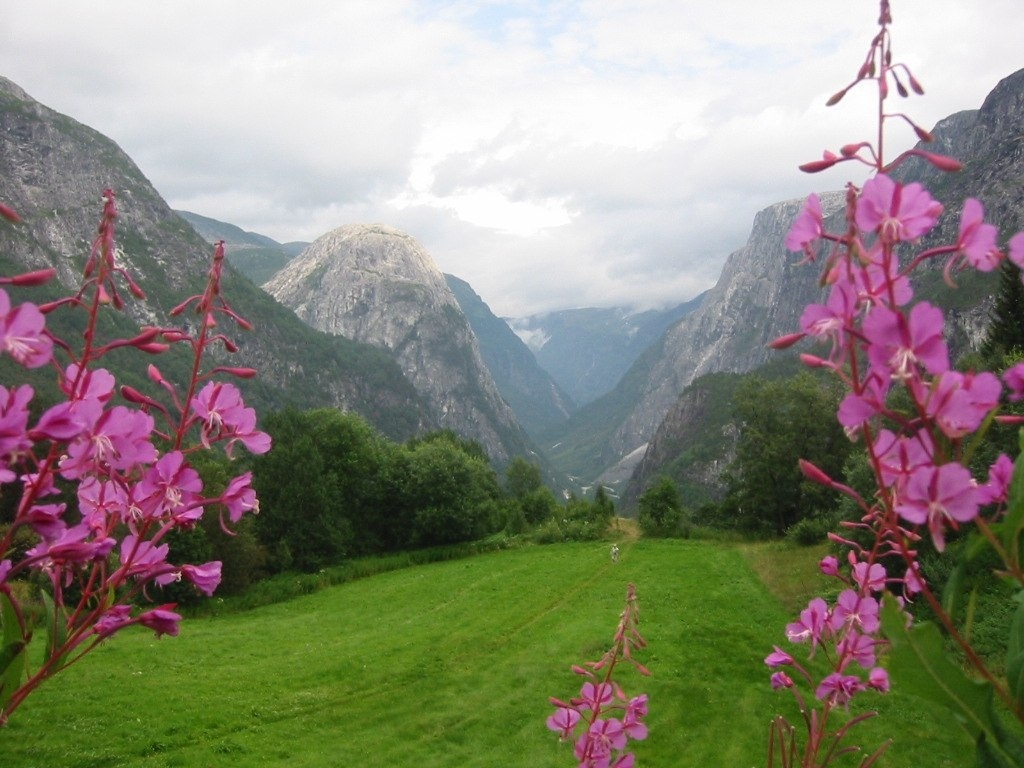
x=627 y=528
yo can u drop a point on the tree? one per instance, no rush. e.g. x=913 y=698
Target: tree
x=452 y=491
x=1005 y=332
x=780 y=422
x=522 y=478
x=660 y=511
x=317 y=487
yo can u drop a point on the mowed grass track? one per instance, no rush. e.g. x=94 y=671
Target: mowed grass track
x=449 y=664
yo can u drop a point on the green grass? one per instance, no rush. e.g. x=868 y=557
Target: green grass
x=448 y=664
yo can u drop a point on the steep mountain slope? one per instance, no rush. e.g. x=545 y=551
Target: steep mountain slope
x=761 y=294
x=53 y=171
x=534 y=396
x=588 y=350
x=256 y=256
x=377 y=285
x=990 y=142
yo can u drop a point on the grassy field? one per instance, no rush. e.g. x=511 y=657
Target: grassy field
x=451 y=664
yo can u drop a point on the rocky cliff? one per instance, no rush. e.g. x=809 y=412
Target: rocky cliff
x=377 y=285
x=990 y=143
x=755 y=300
x=53 y=171
x=534 y=396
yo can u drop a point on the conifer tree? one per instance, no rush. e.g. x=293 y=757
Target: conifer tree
x=1006 y=326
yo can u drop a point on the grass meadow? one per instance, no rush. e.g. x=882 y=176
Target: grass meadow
x=452 y=664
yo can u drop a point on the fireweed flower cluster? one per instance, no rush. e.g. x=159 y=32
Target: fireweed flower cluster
x=879 y=341
x=603 y=719
x=102 y=547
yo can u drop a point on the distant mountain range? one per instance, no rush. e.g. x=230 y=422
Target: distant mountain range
x=601 y=394
x=588 y=350
x=256 y=256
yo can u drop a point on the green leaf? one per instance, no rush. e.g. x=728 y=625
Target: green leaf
x=56 y=628
x=987 y=757
x=12 y=651
x=1013 y=522
x=919 y=665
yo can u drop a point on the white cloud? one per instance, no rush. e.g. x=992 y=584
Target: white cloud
x=553 y=153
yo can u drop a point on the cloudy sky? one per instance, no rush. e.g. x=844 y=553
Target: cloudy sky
x=554 y=153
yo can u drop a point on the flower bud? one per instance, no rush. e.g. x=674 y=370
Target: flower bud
x=785 y=342
x=827 y=161
x=814 y=474
x=37 y=277
x=242 y=373
x=152 y=348
x=9 y=214
x=836 y=97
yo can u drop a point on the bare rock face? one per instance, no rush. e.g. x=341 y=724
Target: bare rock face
x=53 y=171
x=377 y=285
x=759 y=292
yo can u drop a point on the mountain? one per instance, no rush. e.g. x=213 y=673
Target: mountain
x=377 y=285
x=588 y=350
x=256 y=256
x=990 y=143
x=53 y=171
x=535 y=397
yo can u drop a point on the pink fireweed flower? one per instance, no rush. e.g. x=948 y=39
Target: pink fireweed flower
x=46 y=520
x=780 y=680
x=117 y=617
x=977 y=240
x=869 y=576
x=169 y=487
x=161 y=620
x=239 y=497
x=118 y=438
x=1015 y=249
x=857 y=409
x=97 y=384
x=829 y=566
x=941 y=496
x=223 y=415
x=831 y=319
x=102 y=500
x=635 y=709
x=806 y=228
x=1000 y=474
x=859 y=648
x=959 y=402
x=563 y=721
x=879 y=280
x=1013 y=378
x=594 y=747
x=23 y=333
x=594 y=696
x=14 y=417
x=913 y=582
x=206 y=577
x=838 y=688
x=899 y=456
x=57 y=423
x=878 y=679
x=897 y=213
x=813 y=621
x=898 y=343
x=852 y=610
x=71 y=546
x=144 y=561
x=778 y=658
x=5 y=568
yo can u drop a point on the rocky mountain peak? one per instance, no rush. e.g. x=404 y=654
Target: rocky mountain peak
x=378 y=285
